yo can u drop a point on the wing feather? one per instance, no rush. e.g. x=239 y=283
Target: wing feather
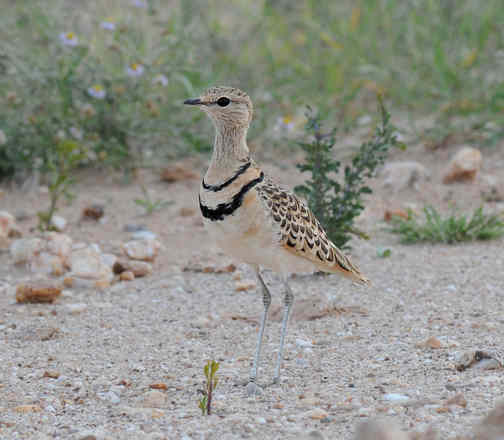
x=303 y=235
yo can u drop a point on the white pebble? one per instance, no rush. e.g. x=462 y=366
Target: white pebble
x=301 y=343
x=394 y=397
x=59 y=223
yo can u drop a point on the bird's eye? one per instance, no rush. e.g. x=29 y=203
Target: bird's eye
x=223 y=101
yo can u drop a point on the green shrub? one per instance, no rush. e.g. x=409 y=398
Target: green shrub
x=452 y=229
x=336 y=204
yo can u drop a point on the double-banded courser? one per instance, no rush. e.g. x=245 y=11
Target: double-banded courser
x=253 y=219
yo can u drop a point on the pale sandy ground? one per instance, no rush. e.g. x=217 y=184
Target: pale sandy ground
x=163 y=328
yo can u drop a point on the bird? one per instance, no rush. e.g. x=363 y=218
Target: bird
x=255 y=220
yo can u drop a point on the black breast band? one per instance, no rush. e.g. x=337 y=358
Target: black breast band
x=224 y=209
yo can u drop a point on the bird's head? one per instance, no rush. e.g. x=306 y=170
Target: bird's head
x=227 y=107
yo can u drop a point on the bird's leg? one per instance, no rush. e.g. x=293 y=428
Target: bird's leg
x=288 y=300
x=252 y=387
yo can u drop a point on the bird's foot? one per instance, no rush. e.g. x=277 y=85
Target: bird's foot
x=253 y=389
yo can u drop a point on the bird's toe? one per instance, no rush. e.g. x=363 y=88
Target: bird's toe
x=253 y=389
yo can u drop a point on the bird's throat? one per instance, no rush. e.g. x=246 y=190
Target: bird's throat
x=229 y=152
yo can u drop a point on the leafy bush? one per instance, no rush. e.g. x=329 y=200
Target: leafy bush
x=449 y=230
x=336 y=204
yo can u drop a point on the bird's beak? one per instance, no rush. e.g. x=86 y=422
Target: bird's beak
x=195 y=101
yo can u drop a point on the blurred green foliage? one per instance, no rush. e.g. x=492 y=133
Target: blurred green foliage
x=439 y=58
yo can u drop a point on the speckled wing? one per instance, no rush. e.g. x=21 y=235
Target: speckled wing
x=302 y=234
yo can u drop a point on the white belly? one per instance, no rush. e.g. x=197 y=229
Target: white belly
x=251 y=238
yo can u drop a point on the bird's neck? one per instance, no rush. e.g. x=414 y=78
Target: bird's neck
x=229 y=153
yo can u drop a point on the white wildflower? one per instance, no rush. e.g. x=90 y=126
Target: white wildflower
x=97 y=91
x=69 y=39
x=108 y=25
x=3 y=138
x=77 y=133
x=88 y=110
x=285 y=124
x=61 y=135
x=139 y=3
x=161 y=80
x=135 y=70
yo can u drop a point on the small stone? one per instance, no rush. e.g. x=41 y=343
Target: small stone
x=376 y=430
x=389 y=213
x=458 y=399
x=7 y=222
x=402 y=175
x=58 y=223
x=278 y=405
x=46 y=263
x=314 y=435
x=395 y=397
x=158 y=386
x=230 y=268
x=153 y=399
x=308 y=402
x=144 y=250
x=478 y=359
x=87 y=263
x=187 y=212
x=52 y=374
x=143 y=412
x=40 y=292
x=68 y=282
x=127 y=275
x=201 y=322
x=59 y=244
x=15 y=232
x=23 y=409
x=143 y=235
x=464 y=166
x=242 y=286
x=108 y=260
x=102 y=284
x=75 y=309
x=176 y=173
x=139 y=268
x=432 y=342
x=363 y=412
x=492 y=188
x=301 y=343
x=134 y=228
x=489 y=364
x=24 y=249
x=492 y=426
x=93 y=212
x=316 y=414
x=110 y=396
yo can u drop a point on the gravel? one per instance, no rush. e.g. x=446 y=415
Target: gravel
x=126 y=362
